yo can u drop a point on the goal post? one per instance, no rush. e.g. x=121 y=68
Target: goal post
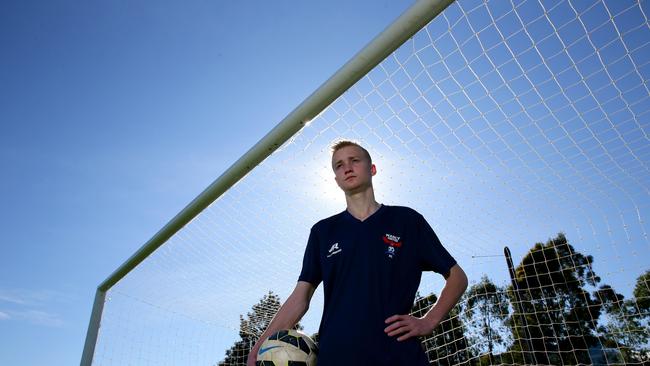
x=411 y=21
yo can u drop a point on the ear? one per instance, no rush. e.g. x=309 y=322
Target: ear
x=373 y=170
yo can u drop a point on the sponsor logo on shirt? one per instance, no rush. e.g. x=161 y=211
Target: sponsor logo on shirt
x=393 y=244
x=334 y=249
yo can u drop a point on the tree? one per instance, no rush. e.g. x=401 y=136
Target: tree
x=447 y=345
x=642 y=293
x=251 y=328
x=485 y=314
x=642 y=315
x=557 y=317
x=626 y=328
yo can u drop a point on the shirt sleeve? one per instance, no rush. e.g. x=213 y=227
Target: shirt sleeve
x=311 y=269
x=433 y=256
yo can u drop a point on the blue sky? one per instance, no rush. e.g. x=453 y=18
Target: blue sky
x=114 y=115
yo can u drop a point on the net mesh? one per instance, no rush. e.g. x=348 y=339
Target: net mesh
x=505 y=123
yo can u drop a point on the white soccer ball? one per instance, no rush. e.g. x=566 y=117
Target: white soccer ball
x=287 y=347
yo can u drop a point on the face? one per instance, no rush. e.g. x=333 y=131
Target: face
x=352 y=170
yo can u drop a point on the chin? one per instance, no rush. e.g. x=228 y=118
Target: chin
x=354 y=189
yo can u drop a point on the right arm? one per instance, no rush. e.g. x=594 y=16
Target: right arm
x=287 y=317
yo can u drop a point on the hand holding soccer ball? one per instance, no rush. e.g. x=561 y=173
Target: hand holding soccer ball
x=284 y=348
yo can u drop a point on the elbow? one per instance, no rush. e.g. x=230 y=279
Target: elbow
x=462 y=281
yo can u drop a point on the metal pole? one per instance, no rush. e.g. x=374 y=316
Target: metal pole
x=403 y=28
x=515 y=288
x=93 y=328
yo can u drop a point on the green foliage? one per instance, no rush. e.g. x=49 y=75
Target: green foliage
x=627 y=322
x=553 y=312
x=556 y=316
x=642 y=293
x=485 y=314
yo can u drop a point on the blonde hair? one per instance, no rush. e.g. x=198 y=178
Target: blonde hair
x=338 y=145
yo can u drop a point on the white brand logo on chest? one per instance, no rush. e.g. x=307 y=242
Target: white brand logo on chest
x=334 y=249
x=393 y=238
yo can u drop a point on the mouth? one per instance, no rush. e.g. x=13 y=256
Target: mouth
x=350 y=177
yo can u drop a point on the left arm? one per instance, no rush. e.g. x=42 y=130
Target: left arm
x=408 y=326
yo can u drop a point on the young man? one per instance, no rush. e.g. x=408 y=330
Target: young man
x=370 y=259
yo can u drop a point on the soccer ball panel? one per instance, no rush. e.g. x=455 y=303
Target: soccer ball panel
x=287 y=348
x=264 y=363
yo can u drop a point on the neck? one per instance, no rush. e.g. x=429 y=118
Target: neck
x=362 y=204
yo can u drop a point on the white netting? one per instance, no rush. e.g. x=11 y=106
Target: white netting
x=503 y=123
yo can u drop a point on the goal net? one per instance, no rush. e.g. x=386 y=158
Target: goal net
x=505 y=123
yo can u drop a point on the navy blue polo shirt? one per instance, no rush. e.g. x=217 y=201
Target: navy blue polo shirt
x=370 y=271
